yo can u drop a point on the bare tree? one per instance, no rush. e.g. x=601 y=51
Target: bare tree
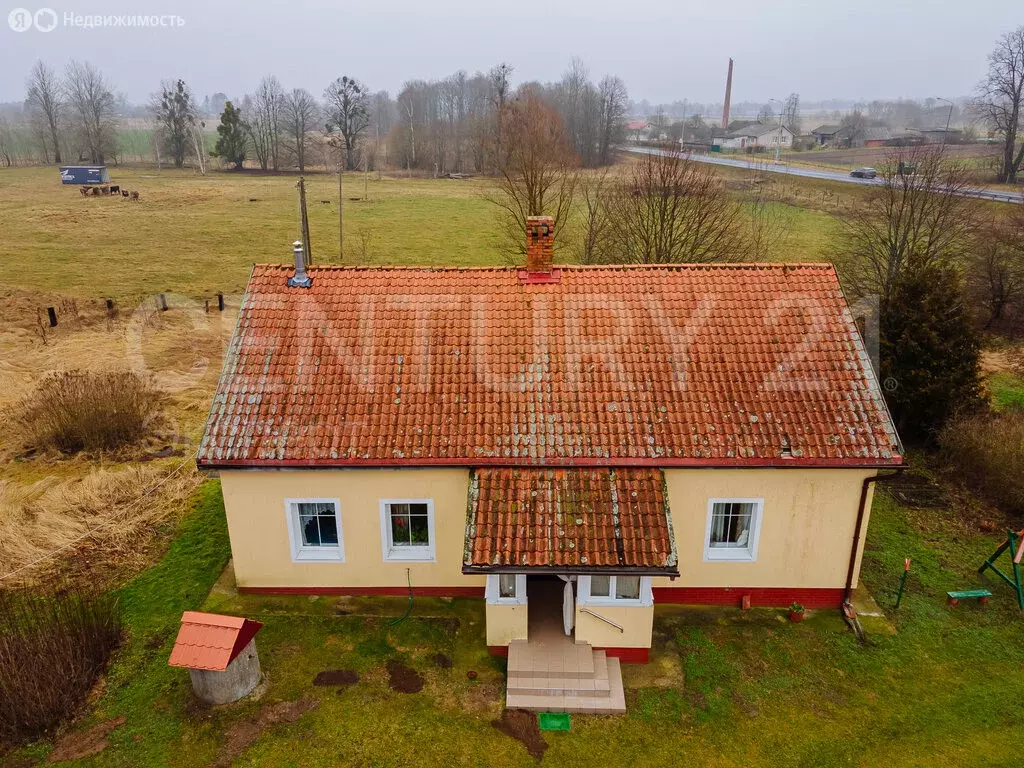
x=596 y=227
x=672 y=209
x=791 y=113
x=265 y=124
x=852 y=127
x=499 y=79
x=537 y=170
x=44 y=98
x=911 y=222
x=301 y=114
x=1000 y=99
x=614 y=103
x=92 y=104
x=347 y=108
x=995 y=274
x=6 y=143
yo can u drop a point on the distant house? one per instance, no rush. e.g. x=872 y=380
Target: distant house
x=756 y=136
x=825 y=134
x=637 y=129
x=939 y=134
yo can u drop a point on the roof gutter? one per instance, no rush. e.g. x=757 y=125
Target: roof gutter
x=555 y=462
x=858 y=529
x=540 y=570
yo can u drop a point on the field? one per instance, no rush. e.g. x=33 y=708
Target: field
x=975 y=155
x=725 y=687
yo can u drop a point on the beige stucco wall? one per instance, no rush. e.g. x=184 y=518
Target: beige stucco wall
x=807 y=526
x=506 y=623
x=257 y=522
x=806 y=531
x=636 y=623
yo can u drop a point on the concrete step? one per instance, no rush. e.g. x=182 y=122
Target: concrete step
x=612 y=703
x=558 y=661
x=559 y=686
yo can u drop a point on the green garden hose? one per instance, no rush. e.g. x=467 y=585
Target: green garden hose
x=408 y=608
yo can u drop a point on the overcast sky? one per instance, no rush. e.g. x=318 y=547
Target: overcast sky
x=663 y=49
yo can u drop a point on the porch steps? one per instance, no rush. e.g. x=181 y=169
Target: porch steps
x=563 y=678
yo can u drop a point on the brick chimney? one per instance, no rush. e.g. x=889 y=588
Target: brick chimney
x=540 y=242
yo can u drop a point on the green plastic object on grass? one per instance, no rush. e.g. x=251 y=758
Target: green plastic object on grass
x=553 y=721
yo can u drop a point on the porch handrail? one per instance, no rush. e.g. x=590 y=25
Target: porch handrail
x=602 y=618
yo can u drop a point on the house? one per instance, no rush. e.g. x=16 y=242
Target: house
x=826 y=134
x=571 y=444
x=876 y=136
x=637 y=129
x=940 y=135
x=756 y=136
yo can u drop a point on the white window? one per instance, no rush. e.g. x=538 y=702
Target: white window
x=614 y=590
x=314 y=529
x=407 y=529
x=506 y=588
x=733 y=529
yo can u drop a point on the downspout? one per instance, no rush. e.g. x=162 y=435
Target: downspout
x=858 y=532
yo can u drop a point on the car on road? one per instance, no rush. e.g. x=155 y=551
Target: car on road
x=863 y=173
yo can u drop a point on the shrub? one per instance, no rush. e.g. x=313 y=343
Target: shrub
x=51 y=652
x=988 y=453
x=81 y=410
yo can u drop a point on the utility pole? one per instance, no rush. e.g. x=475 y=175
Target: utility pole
x=778 y=142
x=949 y=117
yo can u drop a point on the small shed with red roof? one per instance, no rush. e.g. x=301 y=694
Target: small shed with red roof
x=220 y=655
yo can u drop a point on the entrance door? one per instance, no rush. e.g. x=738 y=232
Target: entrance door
x=546 y=606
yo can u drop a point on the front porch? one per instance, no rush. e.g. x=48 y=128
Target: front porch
x=550 y=671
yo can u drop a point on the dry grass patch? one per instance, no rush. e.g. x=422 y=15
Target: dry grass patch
x=988 y=454
x=73 y=411
x=106 y=519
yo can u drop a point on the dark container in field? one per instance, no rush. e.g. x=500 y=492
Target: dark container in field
x=84 y=174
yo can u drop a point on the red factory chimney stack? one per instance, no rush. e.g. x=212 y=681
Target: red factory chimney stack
x=728 y=98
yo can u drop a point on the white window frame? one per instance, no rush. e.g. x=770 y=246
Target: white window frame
x=302 y=553
x=417 y=554
x=493 y=594
x=747 y=554
x=583 y=596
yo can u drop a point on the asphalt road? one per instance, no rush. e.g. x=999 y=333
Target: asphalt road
x=810 y=173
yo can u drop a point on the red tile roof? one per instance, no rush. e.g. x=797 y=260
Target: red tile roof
x=210 y=641
x=570 y=518
x=682 y=365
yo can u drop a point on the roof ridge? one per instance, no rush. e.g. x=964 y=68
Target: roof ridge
x=687 y=266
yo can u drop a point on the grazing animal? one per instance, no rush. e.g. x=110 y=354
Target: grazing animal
x=114 y=189
x=135 y=197
x=124 y=193
x=325 y=202
x=84 y=191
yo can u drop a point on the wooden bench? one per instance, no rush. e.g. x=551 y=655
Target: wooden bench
x=981 y=595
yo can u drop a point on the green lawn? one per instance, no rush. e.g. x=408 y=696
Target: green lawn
x=199 y=235
x=1007 y=391
x=723 y=688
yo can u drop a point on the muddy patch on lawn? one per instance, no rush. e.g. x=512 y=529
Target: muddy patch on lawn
x=482 y=697
x=522 y=725
x=76 y=746
x=336 y=677
x=442 y=661
x=242 y=734
x=402 y=678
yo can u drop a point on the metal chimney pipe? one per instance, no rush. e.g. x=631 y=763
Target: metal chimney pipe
x=300 y=279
